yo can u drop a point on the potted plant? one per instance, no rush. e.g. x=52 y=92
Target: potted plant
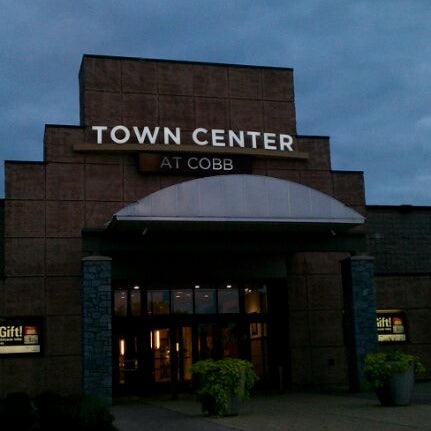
x=391 y=375
x=222 y=384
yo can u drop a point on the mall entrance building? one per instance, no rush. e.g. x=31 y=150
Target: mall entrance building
x=184 y=218
x=214 y=267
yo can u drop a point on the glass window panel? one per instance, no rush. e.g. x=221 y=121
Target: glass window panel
x=228 y=300
x=184 y=348
x=258 y=348
x=230 y=341
x=161 y=346
x=205 y=301
x=120 y=303
x=158 y=302
x=182 y=301
x=135 y=303
x=207 y=338
x=255 y=299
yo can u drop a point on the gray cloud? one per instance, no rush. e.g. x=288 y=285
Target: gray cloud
x=362 y=70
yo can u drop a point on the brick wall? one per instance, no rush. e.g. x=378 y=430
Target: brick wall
x=1 y=238
x=48 y=203
x=317 y=350
x=400 y=241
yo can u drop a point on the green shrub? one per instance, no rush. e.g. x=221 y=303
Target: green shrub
x=218 y=381
x=95 y=415
x=379 y=367
x=51 y=411
x=17 y=412
x=54 y=412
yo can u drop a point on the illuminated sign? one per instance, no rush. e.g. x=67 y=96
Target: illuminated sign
x=200 y=136
x=21 y=336
x=391 y=326
x=194 y=164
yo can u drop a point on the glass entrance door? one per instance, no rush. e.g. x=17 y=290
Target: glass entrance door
x=157 y=356
x=159 y=331
x=160 y=342
x=218 y=340
x=171 y=350
x=184 y=353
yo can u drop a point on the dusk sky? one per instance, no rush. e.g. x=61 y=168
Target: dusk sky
x=362 y=70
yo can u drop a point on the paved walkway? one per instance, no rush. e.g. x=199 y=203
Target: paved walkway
x=287 y=412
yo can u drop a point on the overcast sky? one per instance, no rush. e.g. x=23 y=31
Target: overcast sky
x=362 y=70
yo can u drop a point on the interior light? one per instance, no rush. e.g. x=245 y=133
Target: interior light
x=157 y=340
x=122 y=346
x=228 y=286
x=136 y=287
x=197 y=286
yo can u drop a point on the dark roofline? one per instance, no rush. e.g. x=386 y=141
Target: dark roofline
x=313 y=137
x=400 y=208
x=64 y=126
x=339 y=171
x=26 y=162
x=202 y=63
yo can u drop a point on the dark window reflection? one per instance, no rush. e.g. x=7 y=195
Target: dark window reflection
x=255 y=299
x=182 y=301
x=135 y=303
x=120 y=303
x=228 y=300
x=205 y=301
x=158 y=302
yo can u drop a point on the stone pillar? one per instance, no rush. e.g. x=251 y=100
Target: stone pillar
x=360 y=315
x=97 y=327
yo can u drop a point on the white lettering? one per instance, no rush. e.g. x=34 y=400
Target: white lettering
x=165 y=163
x=99 y=130
x=11 y=331
x=234 y=138
x=269 y=141
x=193 y=163
x=200 y=136
x=204 y=163
x=217 y=136
x=174 y=136
x=173 y=162
x=146 y=133
x=195 y=136
x=253 y=135
x=122 y=129
x=384 y=322
x=217 y=165
x=227 y=164
x=286 y=142
x=177 y=161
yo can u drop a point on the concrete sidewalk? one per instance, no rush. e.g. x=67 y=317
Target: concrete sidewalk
x=287 y=412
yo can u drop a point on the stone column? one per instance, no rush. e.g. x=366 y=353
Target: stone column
x=360 y=315
x=97 y=327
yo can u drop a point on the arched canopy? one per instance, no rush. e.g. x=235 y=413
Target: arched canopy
x=234 y=199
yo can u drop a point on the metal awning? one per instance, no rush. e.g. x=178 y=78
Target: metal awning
x=233 y=201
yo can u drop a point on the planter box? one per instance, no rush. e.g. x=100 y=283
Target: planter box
x=209 y=406
x=398 y=390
